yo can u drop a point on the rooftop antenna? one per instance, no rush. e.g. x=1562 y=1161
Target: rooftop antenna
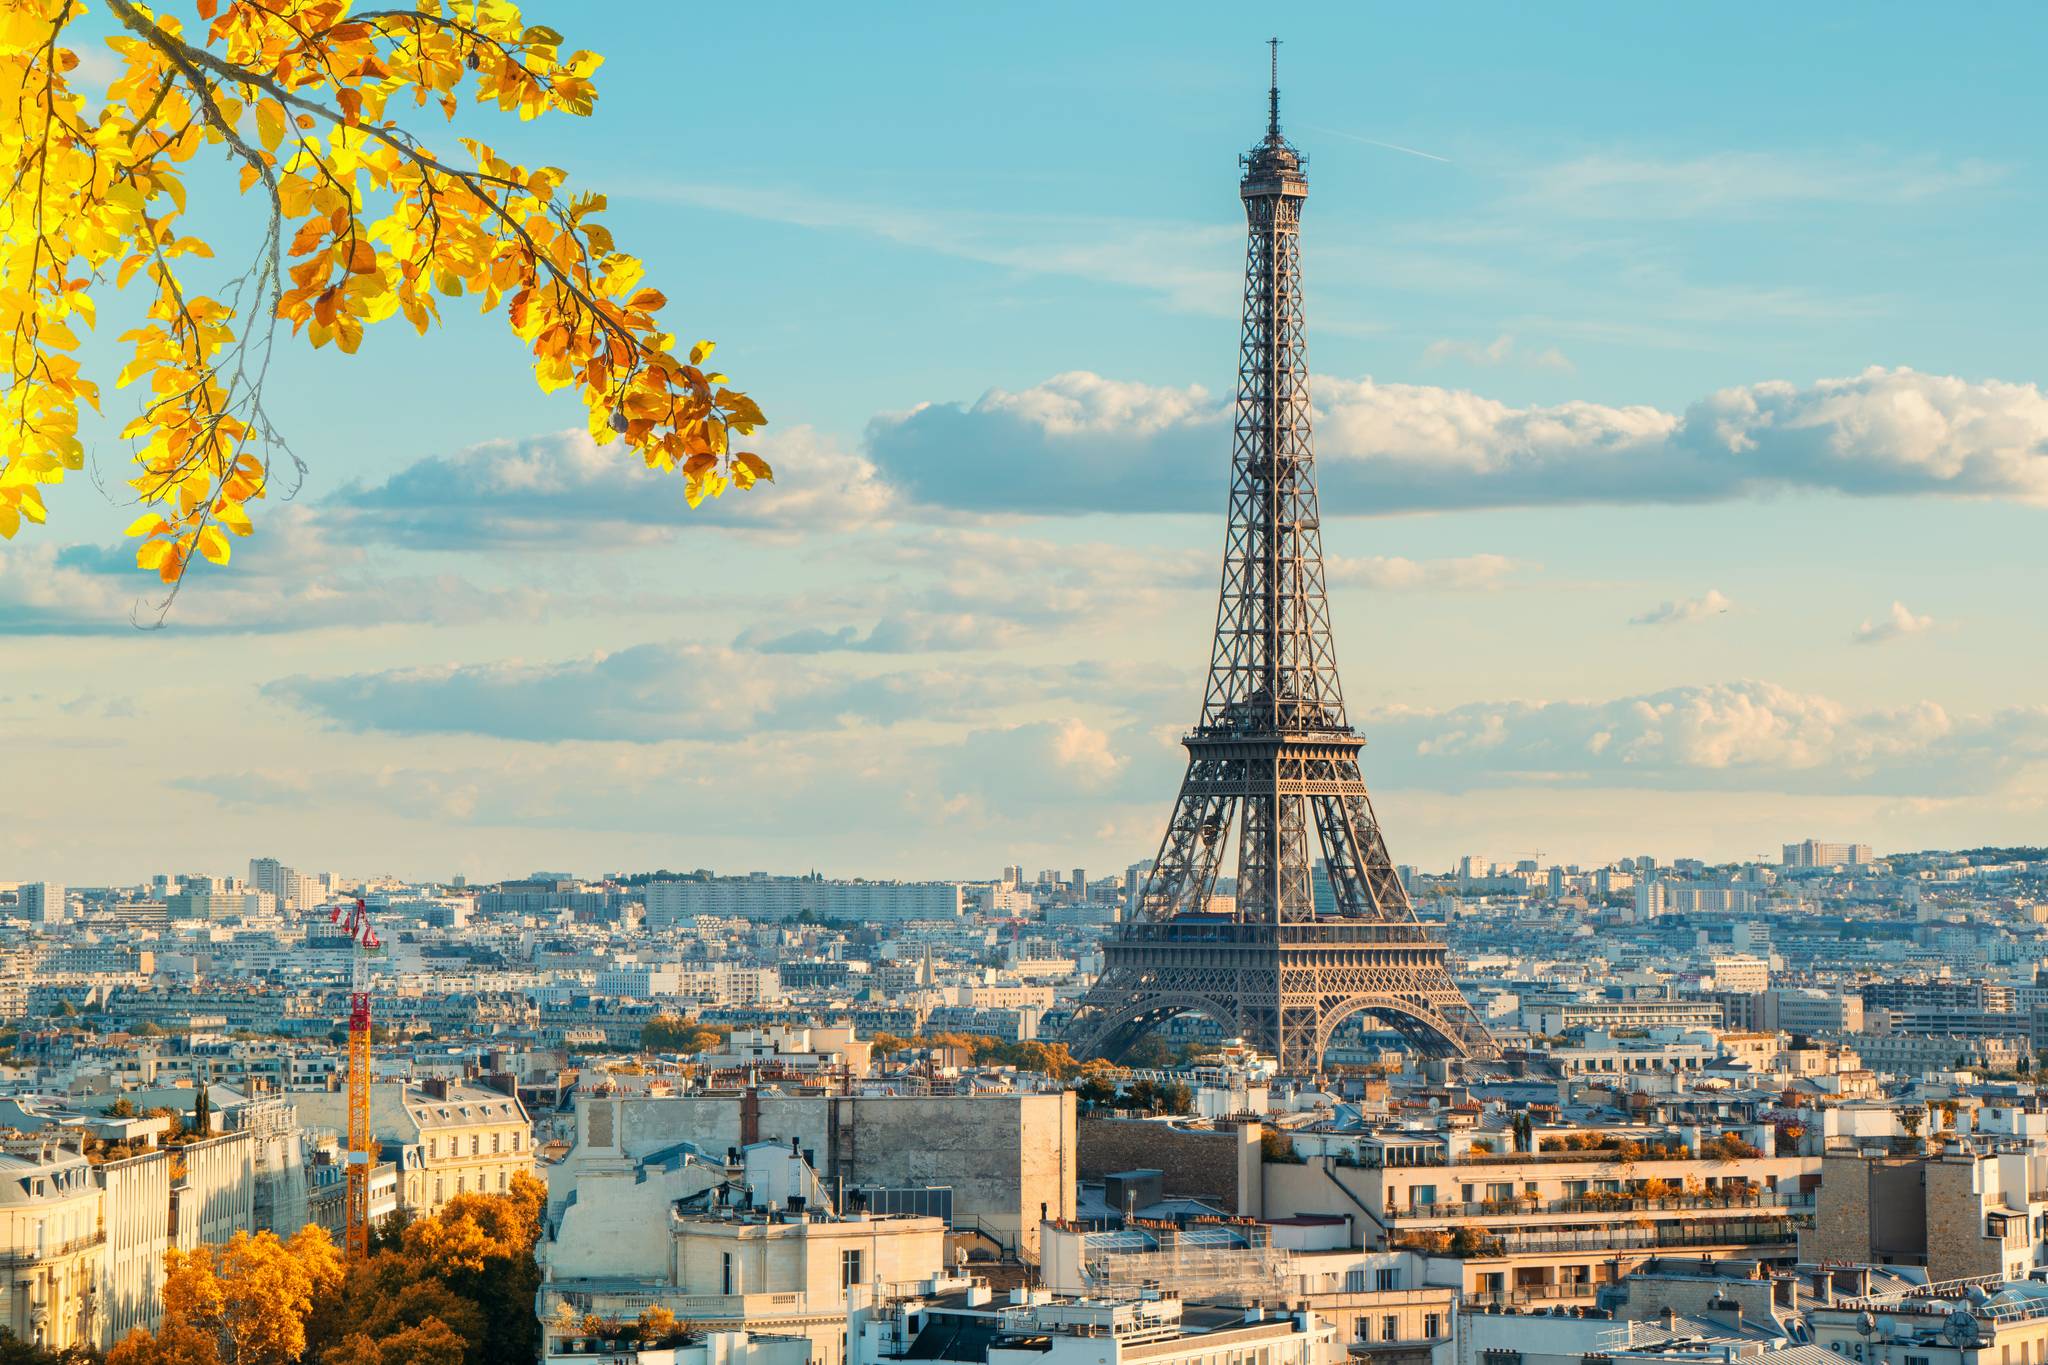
x=1273 y=92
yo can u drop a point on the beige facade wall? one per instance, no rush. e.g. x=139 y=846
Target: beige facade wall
x=137 y=1210
x=51 y=1247
x=1005 y=1156
x=1402 y=1187
x=1389 y=1321
x=782 y=1279
x=216 y=1197
x=471 y=1142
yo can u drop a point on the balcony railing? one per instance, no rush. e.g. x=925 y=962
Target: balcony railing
x=1588 y=1156
x=50 y=1253
x=1741 y=1232
x=699 y=1306
x=1785 y=1202
x=1564 y=1291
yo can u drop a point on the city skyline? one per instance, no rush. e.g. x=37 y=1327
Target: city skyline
x=1692 y=468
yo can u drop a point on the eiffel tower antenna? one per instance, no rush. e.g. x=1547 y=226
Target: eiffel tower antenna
x=1273 y=93
x=1307 y=943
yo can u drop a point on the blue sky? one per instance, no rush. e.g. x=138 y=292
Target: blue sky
x=1683 y=453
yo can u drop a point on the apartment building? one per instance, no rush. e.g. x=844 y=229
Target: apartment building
x=746 y=1242
x=1555 y=1018
x=671 y=903
x=1937 y=1324
x=1819 y=853
x=962 y=1321
x=1010 y=1158
x=1382 y=1306
x=446 y=1138
x=52 y=1244
x=1530 y=1228
x=1973 y=1209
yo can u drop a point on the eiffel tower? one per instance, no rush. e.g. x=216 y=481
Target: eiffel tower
x=1273 y=760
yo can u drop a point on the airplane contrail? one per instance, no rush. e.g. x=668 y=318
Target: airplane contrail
x=1375 y=142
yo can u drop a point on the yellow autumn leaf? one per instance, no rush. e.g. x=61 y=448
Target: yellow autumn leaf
x=377 y=221
x=270 y=124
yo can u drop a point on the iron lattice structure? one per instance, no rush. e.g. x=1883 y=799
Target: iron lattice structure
x=1273 y=763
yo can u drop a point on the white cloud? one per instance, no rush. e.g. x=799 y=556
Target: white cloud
x=1684 y=610
x=1393 y=573
x=1727 y=736
x=1502 y=350
x=643 y=694
x=1033 y=765
x=1891 y=626
x=1083 y=442
x=910 y=632
x=563 y=490
x=291 y=575
x=954 y=589
x=682 y=690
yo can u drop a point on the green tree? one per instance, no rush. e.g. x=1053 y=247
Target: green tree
x=1096 y=1091
x=680 y=1033
x=1148 y=1053
x=1048 y=1059
x=1274 y=1145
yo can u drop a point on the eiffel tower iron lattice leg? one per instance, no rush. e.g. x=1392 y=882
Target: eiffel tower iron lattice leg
x=1273 y=763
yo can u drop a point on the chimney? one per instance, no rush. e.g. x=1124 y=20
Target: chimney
x=750 y=1117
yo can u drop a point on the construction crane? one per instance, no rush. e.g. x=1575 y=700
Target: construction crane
x=361 y=1157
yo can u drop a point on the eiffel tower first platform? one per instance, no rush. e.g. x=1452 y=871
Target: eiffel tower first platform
x=1273 y=764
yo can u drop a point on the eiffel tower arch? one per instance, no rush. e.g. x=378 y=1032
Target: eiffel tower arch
x=1273 y=763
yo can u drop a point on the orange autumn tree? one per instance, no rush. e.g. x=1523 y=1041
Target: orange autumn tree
x=359 y=219
x=244 y=1303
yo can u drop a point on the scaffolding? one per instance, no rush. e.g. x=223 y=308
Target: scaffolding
x=1200 y=1261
